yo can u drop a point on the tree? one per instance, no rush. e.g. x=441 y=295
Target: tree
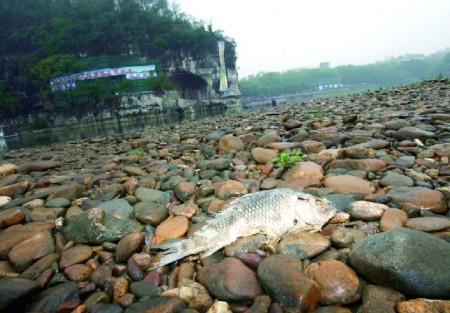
x=8 y=100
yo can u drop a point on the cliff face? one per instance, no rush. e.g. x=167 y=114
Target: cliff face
x=196 y=80
x=197 y=86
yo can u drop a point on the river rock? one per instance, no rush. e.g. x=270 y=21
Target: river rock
x=151 y=195
x=349 y=184
x=303 y=245
x=96 y=227
x=264 y=156
x=72 y=191
x=15 y=290
x=399 y=259
x=128 y=245
x=38 y=267
x=429 y=199
x=429 y=223
x=78 y=272
x=338 y=283
x=231 y=188
x=11 y=217
x=230 y=280
x=32 y=248
x=442 y=150
x=379 y=299
x=8 y=169
x=423 y=305
x=411 y=133
x=230 y=144
x=185 y=190
x=40 y=166
x=368 y=165
x=305 y=169
x=267 y=139
x=143 y=289
x=283 y=278
x=75 y=255
x=157 y=305
x=395 y=179
x=365 y=210
x=47 y=301
x=173 y=227
x=152 y=213
x=392 y=218
x=117 y=207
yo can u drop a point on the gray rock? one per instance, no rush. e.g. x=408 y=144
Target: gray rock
x=410 y=261
x=58 y=203
x=150 y=195
x=143 y=289
x=395 y=179
x=12 y=290
x=411 y=133
x=119 y=207
x=95 y=226
x=48 y=300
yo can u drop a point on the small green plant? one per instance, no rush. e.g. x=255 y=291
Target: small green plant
x=288 y=158
x=139 y=152
x=319 y=114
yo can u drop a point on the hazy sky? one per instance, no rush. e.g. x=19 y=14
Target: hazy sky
x=288 y=34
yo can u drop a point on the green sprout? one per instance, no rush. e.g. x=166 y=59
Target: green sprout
x=287 y=158
x=139 y=152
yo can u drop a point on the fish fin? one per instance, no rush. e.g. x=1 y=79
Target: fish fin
x=174 y=250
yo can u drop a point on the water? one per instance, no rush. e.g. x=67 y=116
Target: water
x=85 y=131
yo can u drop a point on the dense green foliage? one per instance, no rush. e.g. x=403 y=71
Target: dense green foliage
x=389 y=73
x=42 y=39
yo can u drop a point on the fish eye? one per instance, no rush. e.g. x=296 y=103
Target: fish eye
x=319 y=202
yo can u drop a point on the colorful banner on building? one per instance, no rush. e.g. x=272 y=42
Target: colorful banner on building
x=222 y=69
x=132 y=72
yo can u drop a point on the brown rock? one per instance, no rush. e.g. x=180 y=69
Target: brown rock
x=231 y=188
x=261 y=304
x=368 y=165
x=283 y=278
x=14 y=189
x=68 y=306
x=185 y=190
x=40 y=266
x=173 y=227
x=128 y=245
x=268 y=138
x=346 y=237
x=359 y=152
x=281 y=146
x=305 y=169
x=6 y=270
x=429 y=223
x=229 y=143
x=300 y=183
x=72 y=191
x=365 y=210
x=75 y=255
x=349 y=184
x=32 y=248
x=100 y=275
x=46 y=214
x=338 y=283
x=187 y=271
x=303 y=245
x=40 y=166
x=230 y=280
x=311 y=146
x=423 y=306
x=120 y=286
x=264 y=156
x=392 y=218
x=78 y=272
x=431 y=200
x=134 y=171
x=11 y=217
x=379 y=299
x=9 y=238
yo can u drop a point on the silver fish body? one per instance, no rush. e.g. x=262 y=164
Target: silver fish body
x=275 y=213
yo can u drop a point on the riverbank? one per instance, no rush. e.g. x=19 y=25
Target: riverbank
x=79 y=218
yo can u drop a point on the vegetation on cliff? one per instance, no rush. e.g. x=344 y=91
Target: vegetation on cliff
x=394 y=72
x=42 y=39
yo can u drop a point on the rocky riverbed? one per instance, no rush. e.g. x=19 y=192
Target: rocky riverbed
x=78 y=219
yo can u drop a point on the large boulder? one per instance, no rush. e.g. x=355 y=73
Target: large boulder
x=410 y=261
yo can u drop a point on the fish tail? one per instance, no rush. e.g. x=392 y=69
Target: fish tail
x=173 y=251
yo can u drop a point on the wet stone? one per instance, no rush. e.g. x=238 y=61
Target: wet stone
x=303 y=245
x=379 y=299
x=429 y=224
x=77 y=254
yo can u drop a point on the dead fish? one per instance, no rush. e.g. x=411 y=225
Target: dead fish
x=275 y=213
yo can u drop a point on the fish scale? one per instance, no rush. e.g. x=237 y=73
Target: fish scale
x=273 y=213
